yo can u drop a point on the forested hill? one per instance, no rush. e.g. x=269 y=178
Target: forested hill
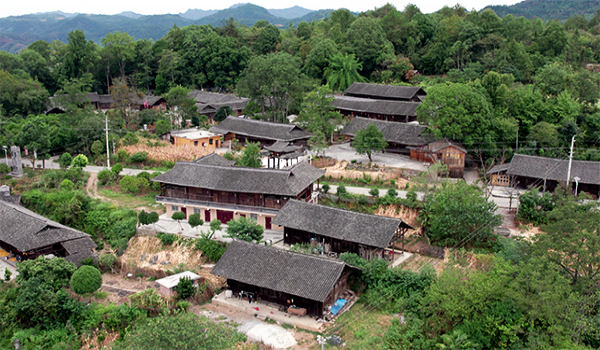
x=17 y=33
x=549 y=9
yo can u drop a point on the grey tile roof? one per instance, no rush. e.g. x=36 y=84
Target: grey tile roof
x=260 y=129
x=402 y=133
x=214 y=159
x=551 y=169
x=443 y=143
x=26 y=230
x=205 y=97
x=372 y=230
x=386 y=91
x=288 y=182
x=282 y=147
x=367 y=105
x=306 y=276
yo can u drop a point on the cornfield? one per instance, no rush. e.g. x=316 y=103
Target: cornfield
x=168 y=152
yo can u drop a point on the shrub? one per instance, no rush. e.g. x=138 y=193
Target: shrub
x=133 y=184
x=7 y=275
x=130 y=139
x=212 y=250
x=80 y=162
x=4 y=169
x=374 y=192
x=341 y=191
x=117 y=168
x=104 y=176
x=392 y=193
x=184 y=288
x=245 y=229
x=123 y=155
x=144 y=175
x=87 y=279
x=65 y=160
x=194 y=220
x=166 y=238
x=325 y=188
x=107 y=262
x=67 y=185
x=138 y=157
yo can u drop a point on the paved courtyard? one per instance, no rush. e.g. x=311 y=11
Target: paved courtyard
x=345 y=152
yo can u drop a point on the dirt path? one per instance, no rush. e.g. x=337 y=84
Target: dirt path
x=92 y=188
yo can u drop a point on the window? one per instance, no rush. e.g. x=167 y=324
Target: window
x=217 y=143
x=174 y=207
x=196 y=143
x=210 y=141
x=196 y=210
x=254 y=217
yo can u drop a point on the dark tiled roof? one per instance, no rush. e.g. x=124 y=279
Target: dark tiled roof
x=383 y=107
x=26 y=230
x=443 y=143
x=260 y=129
x=209 y=98
x=282 y=147
x=372 y=230
x=214 y=159
x=306 y=276
x=288 y=182
x=152 y=100
x=402 y=133
x=551 y=169
x=385 y=91
x=498 y=168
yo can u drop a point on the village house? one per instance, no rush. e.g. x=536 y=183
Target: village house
x=527 y=172
x=399 y=136
x=386 y=92
x=266 y=133
x=281 y=153
x=167 y=285
x=209 y=102
x=195 y=138
x=450 y=153
x=227 y=192
x=214 y=159
x=106 y=102
x=27 y=235
x=339 y=231
x=286 y=278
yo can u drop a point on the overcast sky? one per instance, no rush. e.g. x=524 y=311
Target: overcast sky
x=109 y=7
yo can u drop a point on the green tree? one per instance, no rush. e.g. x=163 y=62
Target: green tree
x=67 y=185
x=318 y=113
x=179 y=100
x=7 y=274
x=250 y=156
x=195 y=221
x=178 y=216
x=459 y=214
x=55 y=272
x=120 y=49
x=87 y=279
x=97 y=148
x=369 y=140
x=222 y=113
x=185 y=288
x=267 y=40
x=343 y=71
x=245 y=229
x=80 y=162
x=65 y=160
x=80 y=54
x=319 y=59
x=368 y=42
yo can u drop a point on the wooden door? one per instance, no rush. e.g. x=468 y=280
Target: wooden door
x=184 y=210
x=268 y=222
x=206 y=215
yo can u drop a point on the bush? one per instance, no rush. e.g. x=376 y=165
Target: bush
x=65 y=160
x=166 y=238
x=194 y=220
x=80 y=162
x=107 y=262
x=104 y=176
x=245 y=229
x=123 y=155
x=341 y=191
x=134 y=184
x=117 y=168
x=185 y=288
x=129 y=139
x=374 y=192
x=392 y=193
x=325 y=188
x=4 y=169
x=138 y=157
x=67 y=185
x=87 y=279
x=212 y=250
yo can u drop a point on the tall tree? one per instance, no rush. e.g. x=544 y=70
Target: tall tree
x=343 y=71
x=120 y=48
x=369 y=140
x=318 y=114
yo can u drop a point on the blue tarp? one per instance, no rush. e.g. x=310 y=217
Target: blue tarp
x=335 y=308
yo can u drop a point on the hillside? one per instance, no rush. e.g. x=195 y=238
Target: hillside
x=246 y=14
x=195 y=14
x=549 y=9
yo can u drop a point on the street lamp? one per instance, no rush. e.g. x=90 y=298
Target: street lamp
x=5 y=156
x=576 y=179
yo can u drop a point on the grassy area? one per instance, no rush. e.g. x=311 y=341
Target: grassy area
x=129 y=201
x=360 y=328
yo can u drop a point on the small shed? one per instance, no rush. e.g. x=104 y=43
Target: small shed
x=449 y=153
x=168 y=284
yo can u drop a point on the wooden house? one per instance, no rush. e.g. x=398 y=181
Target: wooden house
x=281 y=153
x=450 y=153
x=209 y=102
x=266 y=133
x=195 y=138
x=386 y=92
x=167 y=285
x=399 y=136
x=28 y=235
x=339 y=230
x=389 y=110
x=525 y=171
x=283 y=277
x=225 y=192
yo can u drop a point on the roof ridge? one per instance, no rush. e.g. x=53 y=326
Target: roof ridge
x=345 y=210
x=235 y=167
x=289 y=252
x=261 y=121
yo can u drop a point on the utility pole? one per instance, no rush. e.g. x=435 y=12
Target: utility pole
x=570 y=163
x=107 y=148
x=517 y=144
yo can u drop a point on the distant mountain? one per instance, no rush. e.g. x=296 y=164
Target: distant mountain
x=290 y=13
x=195 y=14
x=549 y=9
x=246 y=14
x=16 y=33
x=130 y=14
x=59 y=13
